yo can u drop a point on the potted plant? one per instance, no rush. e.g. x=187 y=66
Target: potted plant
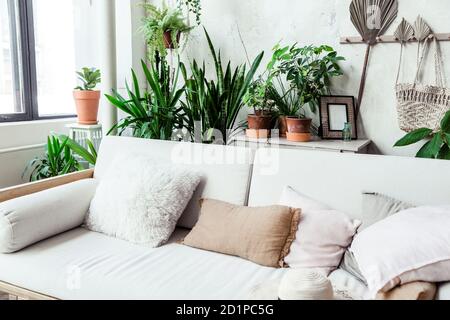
x=162 y=28
x=256 y=98
x=87 y=99
x=303 y=76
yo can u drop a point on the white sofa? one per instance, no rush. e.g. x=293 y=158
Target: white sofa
x=80 y=264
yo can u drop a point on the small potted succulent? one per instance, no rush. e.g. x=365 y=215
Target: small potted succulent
x=162 y=28
x=87 y=99
x=256 y=98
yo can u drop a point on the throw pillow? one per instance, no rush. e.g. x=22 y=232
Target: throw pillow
x=411 y=291
x=375 y=207
x=141 y=200
x=261 y=235
x=323 y=234
x=412 y=245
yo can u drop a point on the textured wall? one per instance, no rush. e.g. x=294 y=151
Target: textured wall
x=265 y=22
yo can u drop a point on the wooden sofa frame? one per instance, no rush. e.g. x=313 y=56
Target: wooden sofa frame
x=27 y=189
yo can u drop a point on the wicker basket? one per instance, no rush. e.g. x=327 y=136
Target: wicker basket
x=423 y=106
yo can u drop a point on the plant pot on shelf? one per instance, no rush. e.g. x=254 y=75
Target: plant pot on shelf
x=259 y=126
x=168 y=40
x=87 y=103
x=299 y=130
x=282 y=126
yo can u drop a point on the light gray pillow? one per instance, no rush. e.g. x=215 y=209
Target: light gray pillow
x=30 y=219
x=375 y=207
x=141 y=199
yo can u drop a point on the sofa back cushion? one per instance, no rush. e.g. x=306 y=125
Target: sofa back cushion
x=339 y=180
x=225 y=171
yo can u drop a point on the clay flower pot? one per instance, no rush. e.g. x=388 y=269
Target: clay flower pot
x=259 y=125
x=282 y=126
x=299 y=130
x=87 y=103
x=168 y=41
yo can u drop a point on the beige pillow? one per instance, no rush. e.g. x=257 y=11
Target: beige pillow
x=410 y=291
x=262 y=235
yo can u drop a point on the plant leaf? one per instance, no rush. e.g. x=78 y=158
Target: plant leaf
x=431 y=149
x=414 y=137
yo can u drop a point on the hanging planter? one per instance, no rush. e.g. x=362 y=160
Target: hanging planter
x=371 y=19
x=169 y=38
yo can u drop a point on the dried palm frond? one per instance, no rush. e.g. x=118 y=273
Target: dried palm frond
x=421 y=32
x=371 y=18
x=404 y=33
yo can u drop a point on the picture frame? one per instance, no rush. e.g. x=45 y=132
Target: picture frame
x=335 y=111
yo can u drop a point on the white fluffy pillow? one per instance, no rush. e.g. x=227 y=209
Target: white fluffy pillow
x=413 y=245
x=323 y=234
x=141 y=200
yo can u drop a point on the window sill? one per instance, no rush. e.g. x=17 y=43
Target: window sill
x=37 y=122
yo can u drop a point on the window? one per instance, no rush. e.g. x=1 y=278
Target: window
x=39 y=54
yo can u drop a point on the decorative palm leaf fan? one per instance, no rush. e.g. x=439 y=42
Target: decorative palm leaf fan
x=404 y=33
x=421 y=32
x=371 y=18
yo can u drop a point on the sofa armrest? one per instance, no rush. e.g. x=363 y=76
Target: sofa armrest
x=34 y=187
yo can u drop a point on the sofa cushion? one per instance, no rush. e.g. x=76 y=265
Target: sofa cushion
x=262 y=235
x=225 y=171
x=81 y=264
x=141 y=200
x=29 y=219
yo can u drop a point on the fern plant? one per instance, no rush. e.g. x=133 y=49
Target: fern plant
x=158 y=22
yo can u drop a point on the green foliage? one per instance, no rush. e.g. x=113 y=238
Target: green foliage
x=89 y=156
x=157 y=22
x=57 y=160
x=90 y=78
x=438 y=146
x=258 y=96
x=216 y=103
x=153 y=114
x=194 y=6
x=301 y=76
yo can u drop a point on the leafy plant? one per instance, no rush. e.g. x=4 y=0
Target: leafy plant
x=90 y=78
x=152 y=114
x=438 y=146
x=159 y=21
x=89 y=156
x=302 y=76
x=57 y=160
x=216 y=103
x=193 y=6
x=258 y=97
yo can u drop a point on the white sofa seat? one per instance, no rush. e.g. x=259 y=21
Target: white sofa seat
x=86 y=265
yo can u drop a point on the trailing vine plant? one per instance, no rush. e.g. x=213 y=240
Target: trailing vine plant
x=193 y=6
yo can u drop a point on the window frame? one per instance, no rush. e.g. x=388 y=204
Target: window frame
x=27 y=56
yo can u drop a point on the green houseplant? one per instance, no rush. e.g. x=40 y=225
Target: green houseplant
x=162 y=29
x=438 y=144
x=215 y=104
x=193 y=6
x=57 y=160
x=87 y=99
x=307 y=71
x=153 y=114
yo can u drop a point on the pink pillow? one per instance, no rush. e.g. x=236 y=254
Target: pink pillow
x=323 y=234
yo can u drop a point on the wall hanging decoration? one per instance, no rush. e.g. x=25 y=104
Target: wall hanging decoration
x=371 y=18
x=421 y=32
x=404 y=33
x=420 y=105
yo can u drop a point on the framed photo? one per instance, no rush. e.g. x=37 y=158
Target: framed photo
x=335 y=112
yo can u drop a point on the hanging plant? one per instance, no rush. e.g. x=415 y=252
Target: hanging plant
x=193 y=6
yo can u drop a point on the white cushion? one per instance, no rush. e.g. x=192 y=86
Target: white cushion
x=27 y=220
x=225 y=171
x=413 y=245
x=323 y=234
x=141 y=201
x=86 y=265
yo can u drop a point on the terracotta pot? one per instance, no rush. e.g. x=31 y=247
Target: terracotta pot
x=259 y=125
x=168 y=43
x=87 y=103
x=299 y=130
x=282 y=126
